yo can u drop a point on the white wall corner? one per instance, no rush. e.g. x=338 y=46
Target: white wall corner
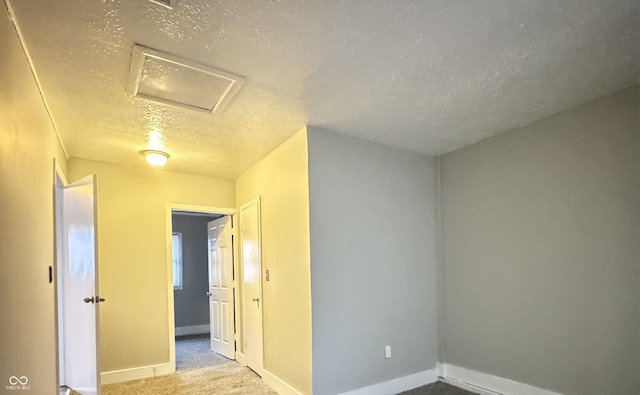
x=398 y=385
x=486 y=384
x=142 y=372
x=278 y=384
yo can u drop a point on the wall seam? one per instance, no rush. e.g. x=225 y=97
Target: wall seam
x=440 y=272
x=23 y=43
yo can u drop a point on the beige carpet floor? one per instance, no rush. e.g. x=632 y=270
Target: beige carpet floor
x=199 y=371
x=202 y=372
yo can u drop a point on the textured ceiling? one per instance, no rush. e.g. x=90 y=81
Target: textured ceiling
x=429 y=76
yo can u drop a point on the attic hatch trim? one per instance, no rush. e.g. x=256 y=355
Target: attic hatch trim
x=165 y=3
x=141 y=53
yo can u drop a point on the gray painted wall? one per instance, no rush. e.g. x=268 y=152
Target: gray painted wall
x=191 y=304
x=373 y=266
x=541 y=236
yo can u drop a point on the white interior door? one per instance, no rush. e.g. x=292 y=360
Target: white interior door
x=252 y=284
x=78 y=273
x=221 y=313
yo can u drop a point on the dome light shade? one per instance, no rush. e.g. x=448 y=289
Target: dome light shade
x=156 y=158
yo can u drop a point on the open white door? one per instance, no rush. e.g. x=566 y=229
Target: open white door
x=79 y=287
x=252 y=283
x=221 y=313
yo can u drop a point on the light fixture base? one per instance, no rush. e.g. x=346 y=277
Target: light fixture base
x=155 y=158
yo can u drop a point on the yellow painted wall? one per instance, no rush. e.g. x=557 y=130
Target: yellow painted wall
x=281 y=179
x=28 y=145
x=133 y=254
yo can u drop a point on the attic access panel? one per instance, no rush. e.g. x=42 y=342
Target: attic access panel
x=165 y=3
x=171 y=80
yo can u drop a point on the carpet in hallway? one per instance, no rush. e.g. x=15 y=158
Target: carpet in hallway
x=200 y=371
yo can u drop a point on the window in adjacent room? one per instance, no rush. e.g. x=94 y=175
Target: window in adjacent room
x=176 y=249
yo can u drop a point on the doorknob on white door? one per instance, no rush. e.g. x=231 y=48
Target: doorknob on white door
x=94 y=299
x=256 y=299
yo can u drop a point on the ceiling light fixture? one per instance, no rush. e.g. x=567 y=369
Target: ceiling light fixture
x=155 y=158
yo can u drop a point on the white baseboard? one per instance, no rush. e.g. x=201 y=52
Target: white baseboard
x=241 y=359
x=192 y=330
x=398 y=385
x=486 y=384
x=118 y=376
x=277 y=384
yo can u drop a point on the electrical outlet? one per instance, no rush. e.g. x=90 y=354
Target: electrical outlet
x=387 y=352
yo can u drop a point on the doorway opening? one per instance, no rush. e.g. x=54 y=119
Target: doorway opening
x=190 y=256
x=203 y=285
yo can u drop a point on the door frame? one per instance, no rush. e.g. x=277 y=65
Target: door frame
x=59 y=182
x=170 y=207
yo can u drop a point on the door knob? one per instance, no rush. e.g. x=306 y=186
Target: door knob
x=208 y=293
x=256 y=299
x=94 y=299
